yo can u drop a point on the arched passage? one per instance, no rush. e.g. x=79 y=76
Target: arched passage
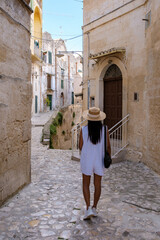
x=113 y=95
x=38 y=26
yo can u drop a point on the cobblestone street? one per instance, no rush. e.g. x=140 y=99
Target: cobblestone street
x=52 y=206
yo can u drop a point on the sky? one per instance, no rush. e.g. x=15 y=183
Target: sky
x=64 y=19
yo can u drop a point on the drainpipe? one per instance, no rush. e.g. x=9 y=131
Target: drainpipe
x=55 y=77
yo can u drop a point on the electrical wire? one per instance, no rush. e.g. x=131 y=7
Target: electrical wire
x=52 y=34
x=58 y=40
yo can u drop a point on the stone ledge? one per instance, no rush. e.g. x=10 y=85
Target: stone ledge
x=27 y=6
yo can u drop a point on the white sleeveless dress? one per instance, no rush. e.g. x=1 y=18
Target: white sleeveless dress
x=92 y=155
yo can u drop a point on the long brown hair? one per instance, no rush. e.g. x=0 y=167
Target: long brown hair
x=94 y=131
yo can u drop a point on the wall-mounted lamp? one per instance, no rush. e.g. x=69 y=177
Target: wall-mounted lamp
x=61 y=54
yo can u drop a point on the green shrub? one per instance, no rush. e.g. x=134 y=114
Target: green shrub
x=50 y=143
x=72 y=123
x=60 y=118
x=55 y=122
x=47 y=101
x=53 y=130
x=74 y=114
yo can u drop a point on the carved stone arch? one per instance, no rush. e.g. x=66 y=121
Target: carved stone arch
x=102 y=68
x=38 y=26
x=38 y=13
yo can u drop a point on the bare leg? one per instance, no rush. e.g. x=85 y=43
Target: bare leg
x=86 y=191
x=97 y=189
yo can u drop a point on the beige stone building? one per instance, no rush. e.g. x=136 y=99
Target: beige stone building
x=15 y=97
x=121 y=70
x=77 y=85
x=62 y=73
x=37 y=55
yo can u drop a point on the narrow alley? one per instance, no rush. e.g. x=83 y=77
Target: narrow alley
x=52 y=206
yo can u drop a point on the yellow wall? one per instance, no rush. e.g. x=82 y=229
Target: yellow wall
x=38 y=25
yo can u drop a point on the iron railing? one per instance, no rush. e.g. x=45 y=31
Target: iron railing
x=118 y=137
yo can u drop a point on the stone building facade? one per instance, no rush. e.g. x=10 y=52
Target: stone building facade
x=15 y=97
x=37 y=55
x=121 y=70
x=60 y=73
x=78 y=76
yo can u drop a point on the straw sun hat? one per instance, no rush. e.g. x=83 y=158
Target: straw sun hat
x=94 y=114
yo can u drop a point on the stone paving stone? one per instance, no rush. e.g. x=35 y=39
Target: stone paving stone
x=52 y=206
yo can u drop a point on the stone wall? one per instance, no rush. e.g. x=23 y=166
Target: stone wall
x=116 y=25
x=152 y=91
x=63 y=138
x=15 y=97
x=97 y=9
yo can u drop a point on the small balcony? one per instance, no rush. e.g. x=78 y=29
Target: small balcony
x=37 y=54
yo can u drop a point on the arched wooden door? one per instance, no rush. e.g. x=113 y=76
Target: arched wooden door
x=113 y=95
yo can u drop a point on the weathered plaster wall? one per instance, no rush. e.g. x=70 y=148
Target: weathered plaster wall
x=152 y=91
x=15 y=97
x=63 y=138
x=96 y=9
x=139 y=66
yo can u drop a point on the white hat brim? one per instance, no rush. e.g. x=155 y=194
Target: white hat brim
x=101 y=117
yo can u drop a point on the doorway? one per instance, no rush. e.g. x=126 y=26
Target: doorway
x=50 y=101
x=36 y=104
x=113 y=95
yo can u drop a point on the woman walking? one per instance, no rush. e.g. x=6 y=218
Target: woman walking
x=91 y=144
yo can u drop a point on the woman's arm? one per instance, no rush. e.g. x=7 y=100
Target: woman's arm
x=108 y=143
x=80 y=140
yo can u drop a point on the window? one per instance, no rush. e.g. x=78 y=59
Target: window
x=72 y=97
x=62 y=83
x=36 y=43
x=49 y=57
x=48 y=81
x=62 y=78
x=62 y=72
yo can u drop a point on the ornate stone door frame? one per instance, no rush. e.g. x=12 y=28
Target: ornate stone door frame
x=102 y=68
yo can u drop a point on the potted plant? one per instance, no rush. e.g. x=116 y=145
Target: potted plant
x=47 y=104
